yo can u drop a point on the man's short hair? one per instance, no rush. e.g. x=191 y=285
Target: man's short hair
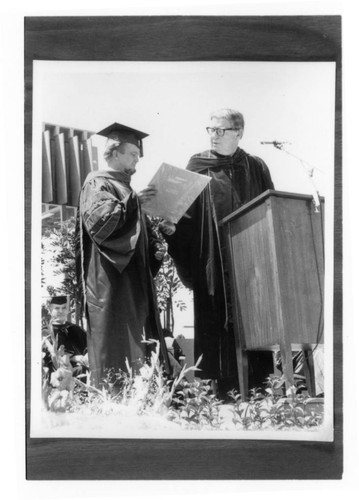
x=116 y=145
x=233 y=116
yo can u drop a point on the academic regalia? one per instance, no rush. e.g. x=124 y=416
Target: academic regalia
x=198 y=250
x=113 y=265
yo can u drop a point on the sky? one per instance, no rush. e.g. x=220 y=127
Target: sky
x=171 y=101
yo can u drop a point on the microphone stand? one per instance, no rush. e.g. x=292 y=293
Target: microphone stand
x=308 y=169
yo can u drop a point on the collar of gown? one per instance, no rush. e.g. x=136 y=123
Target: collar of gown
x=211 y=159
x=112 y=174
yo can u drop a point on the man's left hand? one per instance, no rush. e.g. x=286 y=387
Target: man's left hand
x=160 y=252
x=147 y=194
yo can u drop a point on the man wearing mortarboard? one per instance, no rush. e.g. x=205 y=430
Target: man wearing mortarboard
x=61 y=332
x=118 y=254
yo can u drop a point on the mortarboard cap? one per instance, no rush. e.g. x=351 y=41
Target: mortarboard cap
x=59 y=299
x=121 y=133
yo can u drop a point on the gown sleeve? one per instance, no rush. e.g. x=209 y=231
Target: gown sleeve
x=266 y=176
x=111 y=221
x=103 y=214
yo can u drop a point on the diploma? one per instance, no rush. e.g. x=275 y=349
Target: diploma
x=176 y=191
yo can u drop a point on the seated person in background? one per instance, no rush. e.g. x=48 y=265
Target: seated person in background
x=175 y=353
x=61 y=332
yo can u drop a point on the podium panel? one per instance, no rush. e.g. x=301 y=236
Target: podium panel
x=275 y=249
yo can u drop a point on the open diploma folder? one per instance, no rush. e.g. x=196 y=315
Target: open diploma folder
x=176 y=191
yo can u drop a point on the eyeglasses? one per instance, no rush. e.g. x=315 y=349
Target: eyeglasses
x=219 y=131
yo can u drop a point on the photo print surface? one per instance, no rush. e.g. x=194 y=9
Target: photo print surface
x=276 y=245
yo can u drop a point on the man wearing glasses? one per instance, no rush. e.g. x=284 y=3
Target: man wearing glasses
x=197 y=246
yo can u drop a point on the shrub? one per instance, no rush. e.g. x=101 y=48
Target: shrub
x=271 y=409
x=188 y=405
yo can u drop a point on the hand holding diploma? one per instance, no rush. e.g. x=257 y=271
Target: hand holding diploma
x=167 y=227
x=147 y=194
x=160 y=252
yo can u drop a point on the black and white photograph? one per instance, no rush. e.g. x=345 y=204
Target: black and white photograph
x=211 y=323
x=182 y=255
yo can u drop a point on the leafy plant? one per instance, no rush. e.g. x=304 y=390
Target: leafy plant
x=271 y=409
x=187 y=405
x=148 y=391
x=167 y=283
x=197 y=408
x=60 y=239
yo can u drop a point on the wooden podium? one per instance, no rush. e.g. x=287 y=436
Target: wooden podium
x=275 y=250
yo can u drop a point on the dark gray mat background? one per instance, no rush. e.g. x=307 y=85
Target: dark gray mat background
x=186 y=38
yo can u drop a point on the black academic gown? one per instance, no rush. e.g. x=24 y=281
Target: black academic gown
x=113 y=263
x=198 y=250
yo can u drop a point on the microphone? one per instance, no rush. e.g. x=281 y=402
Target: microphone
x=315 y=192
x=276 y=144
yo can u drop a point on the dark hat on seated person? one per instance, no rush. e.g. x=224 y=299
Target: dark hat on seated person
x=117 y=133
x=58 y=299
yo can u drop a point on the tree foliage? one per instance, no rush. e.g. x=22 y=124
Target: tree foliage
x=61 y=240
x=167 y=283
